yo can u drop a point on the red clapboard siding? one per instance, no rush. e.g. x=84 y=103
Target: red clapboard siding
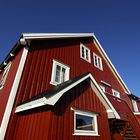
x=5 y=91
x=39 y=65
x=51 y=123
x=48 y=122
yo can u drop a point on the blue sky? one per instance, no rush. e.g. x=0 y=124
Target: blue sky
x=116 y=24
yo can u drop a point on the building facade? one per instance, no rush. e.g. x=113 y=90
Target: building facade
x=64 y=86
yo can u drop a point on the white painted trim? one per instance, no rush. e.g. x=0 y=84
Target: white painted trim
x=72 y=35
x=55 y=35
x=12 y=96
x=135 y=106
x=85 y=132
x=104 y=99
x=102 y=88
x=85 y=48
x=105 y=83
x=136 y=113
x=99 y=61
x=67 y=72
x=53 y=99
x=114 y=92
x=111 y=64
x=4 y=75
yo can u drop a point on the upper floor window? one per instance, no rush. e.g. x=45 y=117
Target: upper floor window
x=116 y=93
x=85 y=53
x=135 y=107
x=60 y=73
x=4 y=75
x=85 y=123
x=97 y=61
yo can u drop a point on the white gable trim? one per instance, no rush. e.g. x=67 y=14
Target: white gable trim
x=112 y=113
x=119 y=77
x=73 y=35
x=54 y=35
x=12 y=96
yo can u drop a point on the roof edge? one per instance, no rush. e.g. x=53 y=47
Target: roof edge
x=52 y=100
x=55 y=35
x=111 y=64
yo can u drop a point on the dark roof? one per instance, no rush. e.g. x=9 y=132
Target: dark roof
x=134 y=97
x=56 y=89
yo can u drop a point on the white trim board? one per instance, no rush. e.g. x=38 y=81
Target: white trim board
x=55 y=35
x=112 y=113
x=136 y=113
x=12 y=95
x=34 y=36
x=111 y=64
x=30 y=36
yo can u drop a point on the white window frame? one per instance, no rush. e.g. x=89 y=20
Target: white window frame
x=98 y=64
x=135 y=106
x=4 y=75
x=102 y=88
x=116 y=93
x=86 y=132
x=85 y=49
x=67 y=72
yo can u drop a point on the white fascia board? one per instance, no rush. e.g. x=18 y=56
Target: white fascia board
x=55 y=35
x=101 y=48
x=12 y=95
x=47 y=101
x=30 y=105
x=52 y=100
x=72 y=35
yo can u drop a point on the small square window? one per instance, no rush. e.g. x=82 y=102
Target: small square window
x=60 y=73
x=116 y=93
x=84 y=52
x=4 y=75
x=85 y=123
x=135 y=107
x=97 y=61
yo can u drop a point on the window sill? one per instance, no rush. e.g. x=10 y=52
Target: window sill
x=85 y=134
x=53 y=83
x=136 y=113
x=86 y=60
x=1 y=87
x=101 y=69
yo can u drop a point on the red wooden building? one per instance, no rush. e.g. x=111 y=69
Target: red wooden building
x=64 y=87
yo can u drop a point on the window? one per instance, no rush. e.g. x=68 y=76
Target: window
x=85 y=123
x=116 y=93
x=97 y=61
x=60 y=73
x=84 y=52
x=102 y=88
x=135 y=107
x=4 y=75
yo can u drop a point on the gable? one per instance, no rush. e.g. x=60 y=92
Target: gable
x=51 y=97
x=110 y=65
x=24 y=41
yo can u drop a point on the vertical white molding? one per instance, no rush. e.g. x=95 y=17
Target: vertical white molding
x=12 y=95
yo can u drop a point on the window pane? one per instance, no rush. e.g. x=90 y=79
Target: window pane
x=57 y=75
x=83 y=52
x=84 y=122
x=99 y=63
x=96 y=63
x=63 y=75
x=87 y=55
